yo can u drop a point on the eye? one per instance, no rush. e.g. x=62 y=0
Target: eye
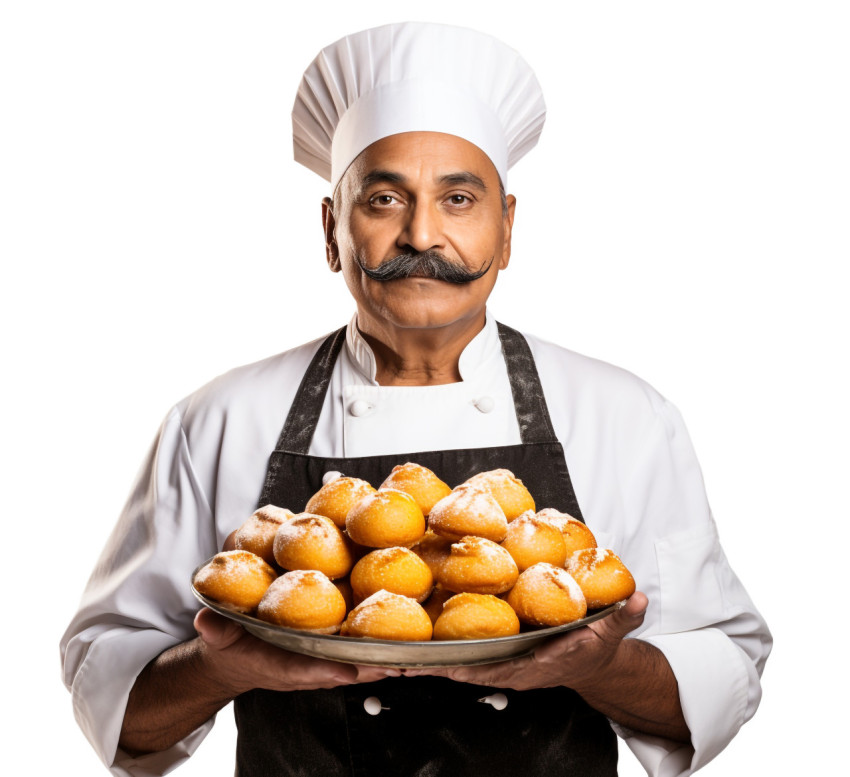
x=382 y=200
x=459 y=199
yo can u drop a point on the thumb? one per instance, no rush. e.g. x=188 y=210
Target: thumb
x=626 y=619
x=216 y=630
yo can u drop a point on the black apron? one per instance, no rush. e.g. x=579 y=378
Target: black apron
x=428 y=725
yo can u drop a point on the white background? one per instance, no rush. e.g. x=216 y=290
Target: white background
x=684 y=216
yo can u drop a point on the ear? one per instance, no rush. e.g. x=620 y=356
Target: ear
x=508 y=227
x=329 y=224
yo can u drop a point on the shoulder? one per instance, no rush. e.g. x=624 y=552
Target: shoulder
x=566 y=373
x=260 y=390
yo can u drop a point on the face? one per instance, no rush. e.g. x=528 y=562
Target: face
x=416 y=192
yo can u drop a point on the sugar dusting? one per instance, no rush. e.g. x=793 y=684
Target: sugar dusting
x=542 y=576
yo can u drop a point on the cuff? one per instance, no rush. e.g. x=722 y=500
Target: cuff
x=100 y=691
x=713 y=688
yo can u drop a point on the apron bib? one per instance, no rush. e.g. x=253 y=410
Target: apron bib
x=428 y=725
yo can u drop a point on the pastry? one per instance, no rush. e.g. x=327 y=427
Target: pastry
x=418 y=481
x=257 y=533
x=602 y=576
x=478 y=565
x=397 y=570
x=337 y=497
x=546 y=595
x=385 y=519
x=388 y=616
x=576 y=534
x=476 y=616
x=531 y=539
x=236 y=579
x=313 y=542
x=469 y=510
x=509 y=491
x=303 y=599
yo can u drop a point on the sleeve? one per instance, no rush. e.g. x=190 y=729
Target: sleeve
x=700 y=617
x=138 y=601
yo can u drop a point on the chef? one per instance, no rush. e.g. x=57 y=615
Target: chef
x=415 y=127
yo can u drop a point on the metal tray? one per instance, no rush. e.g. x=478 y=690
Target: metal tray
x=382 y=652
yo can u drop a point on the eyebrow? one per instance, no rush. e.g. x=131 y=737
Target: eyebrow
x=463 y=178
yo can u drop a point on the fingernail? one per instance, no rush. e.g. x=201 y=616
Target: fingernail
x=392 y=673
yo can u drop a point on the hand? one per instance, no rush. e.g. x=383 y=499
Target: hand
x=242 y=662
x=575 y=660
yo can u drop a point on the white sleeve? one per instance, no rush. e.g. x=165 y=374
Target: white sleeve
x=699 y=616
x=138 y=601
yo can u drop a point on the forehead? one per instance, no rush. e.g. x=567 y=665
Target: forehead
x=422 y=157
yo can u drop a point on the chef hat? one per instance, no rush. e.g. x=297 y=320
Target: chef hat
x=415 y=77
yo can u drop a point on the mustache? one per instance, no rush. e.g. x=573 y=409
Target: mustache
x=423 y=264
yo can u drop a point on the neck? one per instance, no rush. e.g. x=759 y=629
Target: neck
x=418 y=357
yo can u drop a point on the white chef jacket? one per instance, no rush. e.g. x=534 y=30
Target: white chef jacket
x=633 y=470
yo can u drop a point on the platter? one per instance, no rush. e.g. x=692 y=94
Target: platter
x=374 y=652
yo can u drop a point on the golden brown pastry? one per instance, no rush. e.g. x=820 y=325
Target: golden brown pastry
x=337 y=497
x=576 y=534
x=257 y=533
x=476 y=616
x=313 y=542
x=531 y=540
x=478 y=565
x=602 y=576
x=303 y=599
x=469 y=510
x=418 y=481
x=344 y=586
x=433 y=550
x=236 y=579
x=509 y=491
x=385 y=519
x=388 y=616
x=433 y=605
x=397 y=570
x=546 y=595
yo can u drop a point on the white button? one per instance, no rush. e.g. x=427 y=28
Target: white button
x=372 y=705
x=359 y=407
x=329 y=476
x=485 y=404
x=498 y=701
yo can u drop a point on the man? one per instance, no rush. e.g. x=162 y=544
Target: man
x=416 y=148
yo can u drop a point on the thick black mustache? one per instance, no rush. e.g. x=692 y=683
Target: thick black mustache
x=426 y=264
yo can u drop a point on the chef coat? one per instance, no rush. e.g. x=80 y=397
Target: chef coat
x=632 y=467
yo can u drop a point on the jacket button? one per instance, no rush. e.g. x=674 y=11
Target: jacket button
x=485 y=404
x=498 y=701
x=359 y=407
x=372 y=705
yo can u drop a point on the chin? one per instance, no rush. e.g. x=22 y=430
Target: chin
x=430 y=306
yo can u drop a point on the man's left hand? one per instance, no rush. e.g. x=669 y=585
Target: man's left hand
x=574 y=660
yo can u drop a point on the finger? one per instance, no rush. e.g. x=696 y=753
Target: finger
x=216 y=630
x=371 y=674
x=625 y=620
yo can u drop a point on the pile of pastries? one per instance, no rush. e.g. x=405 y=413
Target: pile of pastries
x=416 y=560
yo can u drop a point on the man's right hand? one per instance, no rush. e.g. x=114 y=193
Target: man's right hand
x=243 y=662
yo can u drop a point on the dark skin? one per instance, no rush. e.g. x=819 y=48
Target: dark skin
x=421 y=191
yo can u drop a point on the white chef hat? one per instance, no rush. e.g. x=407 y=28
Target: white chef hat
x=415 y=77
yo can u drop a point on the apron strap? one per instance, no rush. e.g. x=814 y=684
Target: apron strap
x=297 y=432
x=532 y=413
x=529 y=402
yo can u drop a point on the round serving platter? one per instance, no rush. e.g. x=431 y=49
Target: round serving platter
x=381 y=652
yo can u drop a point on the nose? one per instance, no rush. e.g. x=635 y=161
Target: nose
x=422 y=229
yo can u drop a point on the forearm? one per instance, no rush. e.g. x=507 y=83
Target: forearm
x=638 y=690
x=173 y=695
